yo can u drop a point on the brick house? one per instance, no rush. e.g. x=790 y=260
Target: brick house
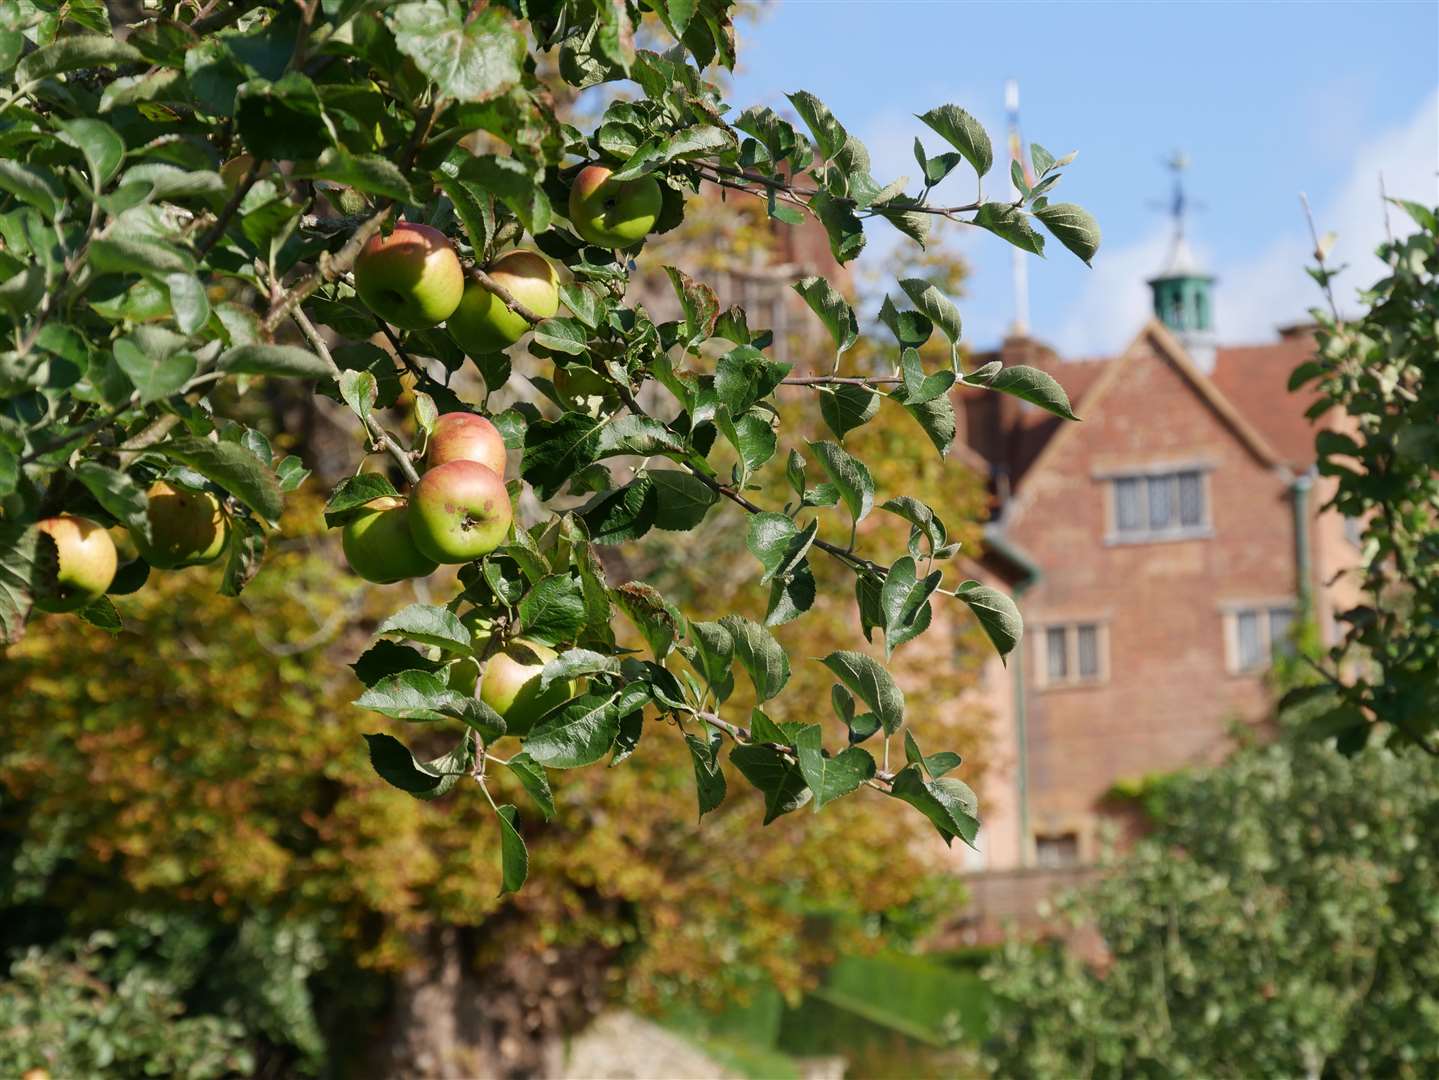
x=1162 y=552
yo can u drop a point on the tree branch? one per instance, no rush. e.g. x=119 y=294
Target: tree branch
x=376 y=430
x=504 y=296
x=842 y=380
x=217 y=230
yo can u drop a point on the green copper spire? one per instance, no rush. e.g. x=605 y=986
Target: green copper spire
x=1183 y=293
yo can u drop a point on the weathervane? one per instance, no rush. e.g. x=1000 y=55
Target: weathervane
x=1178 y=206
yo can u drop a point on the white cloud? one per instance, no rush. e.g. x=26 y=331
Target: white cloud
x=1259 y=293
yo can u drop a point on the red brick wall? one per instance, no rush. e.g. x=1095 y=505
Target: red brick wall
x=1168 y=698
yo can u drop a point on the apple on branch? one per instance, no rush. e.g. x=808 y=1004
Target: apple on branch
x=459 y=511
x=510 y=684
x=378 y=544
x=462 y=436
x=613 y=213
x=86 y=563
x=412 y=278
x=483 y=324
x=187 y=528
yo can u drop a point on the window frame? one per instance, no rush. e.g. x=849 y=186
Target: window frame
x=1263 y=610
x=1144 y=476
x=1071 y=679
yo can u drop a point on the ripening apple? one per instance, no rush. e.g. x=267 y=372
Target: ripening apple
x=411 y=278
x=483 y=324
x=378 y=545
x=511 y=685
x=610 y=213
x=86 y=566
x=462 y=436
x=459 y=511
x=187 y=528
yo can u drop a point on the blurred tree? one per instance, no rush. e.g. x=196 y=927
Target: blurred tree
x=1280 y=921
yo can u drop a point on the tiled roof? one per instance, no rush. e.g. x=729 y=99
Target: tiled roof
x=1253 y=378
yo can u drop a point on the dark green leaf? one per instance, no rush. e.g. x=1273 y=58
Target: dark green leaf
x=964 y=133
x=830 y=778
x=937 y=307
x=233 y=468
x=904 y=599
x=760 y=655
x=1073 y=227
x=775 y=775
x=531 y=775
x=554 y=610
x=950 y=805
x=514 y=858
x=849 y=475
x=847 y=406
x=709 y=777
x=353 y=494
x=578 y=734
x=872 y=684
x=832 y=308
x=273 y=360
x=429 y=624
x=1031 y=384
x=997 y=613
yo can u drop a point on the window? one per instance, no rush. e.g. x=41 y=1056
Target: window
x=1259 y=634
x=1073 y=654
x=1056 y=850
x=1159 y=506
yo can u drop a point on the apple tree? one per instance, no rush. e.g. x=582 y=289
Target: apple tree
x=382 y=203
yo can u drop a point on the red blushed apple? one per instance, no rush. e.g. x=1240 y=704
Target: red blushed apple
x=411 y=278
x=187 y=528
x=86 y=567
x=510 y=685
x=379 y=547
x=483 y=324
x=459 y=511
x=613 y=214
x=462 y=436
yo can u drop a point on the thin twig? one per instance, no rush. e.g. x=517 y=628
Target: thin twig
x=375 y=428
x=1319 y=256
x=223 y=221
x=504 y=296
x=841 y=380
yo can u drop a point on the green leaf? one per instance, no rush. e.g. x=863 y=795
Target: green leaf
x=245 y=551
x=416 y=695
x=832 y=308
x=99 y=143
x=872 y=684
x=904 y=599
x=830 y=778
x=997 y=613
x=188 y=301
x=709 y=777
x=847 y=406
x=284 y=120
x=849 y=475
x=775 y=775
x=1030 y=383
x=950 y=805
x=791 y=595
x=360 y=391
x=920 y=389
x=910 y=328
x=385 y=658
x=233 y=468
x=514 y=858
x=778 y=543
x=429 y=624
x=759 y=654
x=32 y=185
x=121 y=497
x=468 y=58
x=576 y=662
x=656 y=619
x=370 y=173
x=964 y=133
x=934 y=765
x=681 y=500
x=713 y=656
x=135 y=255
x=1008 y=223
x=554 y=610
x=698 y=303
x=25 y=562
x=531 y=775
x=286 y=360
x=937 y=307
x=73 y=53
x=155 y=372
x=102 y=613
x=578 y=734
x=353 y=494
x=1041 y=159
x=623 y=514
x=398 y=767
x=1072 y=226
x=935 y=416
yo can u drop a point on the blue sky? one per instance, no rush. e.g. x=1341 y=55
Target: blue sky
x=1266 y=99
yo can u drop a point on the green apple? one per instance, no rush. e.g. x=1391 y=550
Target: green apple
x=187 y=528
x=378 y=544
x=586 y=390
x=610 y=213
x=86 y=565
x=462 y=436
x=459 y=511
x=411 y=278
x=511 y=685
x=483 y=324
